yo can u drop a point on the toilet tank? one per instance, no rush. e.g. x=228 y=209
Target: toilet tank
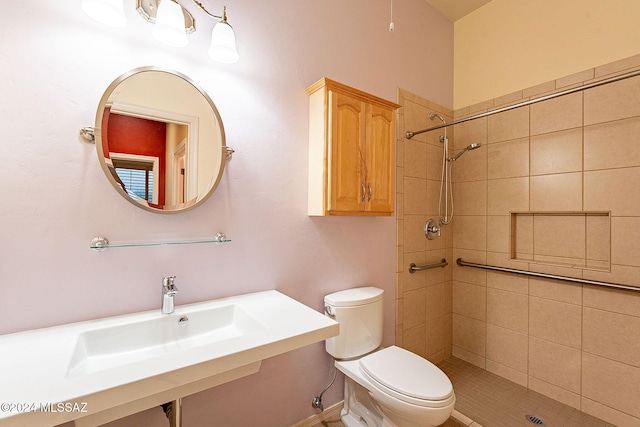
x=359 y=311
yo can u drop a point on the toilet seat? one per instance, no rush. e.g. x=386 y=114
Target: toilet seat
x=408 y=377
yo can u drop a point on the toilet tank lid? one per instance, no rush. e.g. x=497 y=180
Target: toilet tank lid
x=354 y=296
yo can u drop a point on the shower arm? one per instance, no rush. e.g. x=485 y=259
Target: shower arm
x=410 y=134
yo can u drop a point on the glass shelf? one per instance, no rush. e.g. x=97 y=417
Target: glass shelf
x=101 y=243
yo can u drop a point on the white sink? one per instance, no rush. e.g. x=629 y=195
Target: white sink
x=120 y=365
x=108 y=347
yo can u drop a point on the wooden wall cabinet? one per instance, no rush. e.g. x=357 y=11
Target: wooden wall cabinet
x=352 y=151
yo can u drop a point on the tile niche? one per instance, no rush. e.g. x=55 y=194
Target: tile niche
x=567 y=239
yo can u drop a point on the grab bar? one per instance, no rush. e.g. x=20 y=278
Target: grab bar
x=413 y=268
x=464 y=263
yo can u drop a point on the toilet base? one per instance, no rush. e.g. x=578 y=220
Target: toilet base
x=361 y=409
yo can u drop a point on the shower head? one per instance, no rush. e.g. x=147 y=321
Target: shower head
x=434 y=115
x=467 y=148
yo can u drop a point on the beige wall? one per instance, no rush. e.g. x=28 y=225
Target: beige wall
x=580 y=152
x=510 y=44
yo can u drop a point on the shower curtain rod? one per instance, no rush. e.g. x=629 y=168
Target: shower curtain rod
x=410 y=134
x=464 y=263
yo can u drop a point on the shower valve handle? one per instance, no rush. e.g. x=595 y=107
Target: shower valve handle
x=431 y=230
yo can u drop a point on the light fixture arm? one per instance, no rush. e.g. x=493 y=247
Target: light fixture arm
x=224 y=11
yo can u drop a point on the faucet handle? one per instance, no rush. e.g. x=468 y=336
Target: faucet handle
x=167 y=283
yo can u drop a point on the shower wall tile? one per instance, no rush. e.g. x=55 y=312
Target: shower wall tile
x=556 y=290
x=508 y=310
x=434 y=301
x=470 y=132
x=432 y=196
x=612 y=335
x=435 y=276
x=508 y=99
x=612 y=144
x=415 y=118
x=415 y=159
x=557 y=152
x=611 y=383
x=470 y=275
x=472 y=166
x=414 y=240
x=469 y=335
x=434 y=162
x=554 y=392
x=414 y=308
x=557 y=236
x=555 y=364
x=625 y=232
x=508 y=282
x=415 y=203
x=554 y=321
x=470 y=232
x=413 y=281
x=508 y=348
x=613 y=101
x=613 y=300
x=506 y=195
x=575 y=78
x=557 y=114
x=471 y=198
x=414 y=340
x=539 y=90
x=498 y=233
x=504 y=371
x=618 y=66
x=434 y=333
x=470 y=300
x=609 y=189
x=508 y=125
x=559 y=192
x=508 y=159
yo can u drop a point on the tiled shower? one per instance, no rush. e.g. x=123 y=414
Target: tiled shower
x=555 y=188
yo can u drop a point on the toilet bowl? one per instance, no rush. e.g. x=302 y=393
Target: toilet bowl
x=384 y=387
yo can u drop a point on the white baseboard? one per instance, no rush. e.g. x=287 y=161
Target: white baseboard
x=315 y=420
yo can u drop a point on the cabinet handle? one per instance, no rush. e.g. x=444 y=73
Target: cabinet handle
x=370 y=193
x=364 y=192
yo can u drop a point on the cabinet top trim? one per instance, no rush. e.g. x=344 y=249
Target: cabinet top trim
x=334 y=85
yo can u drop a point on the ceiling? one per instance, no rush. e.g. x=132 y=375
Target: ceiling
x=456 y=9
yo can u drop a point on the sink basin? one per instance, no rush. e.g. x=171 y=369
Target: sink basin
x=118 y=345
x=117 y=366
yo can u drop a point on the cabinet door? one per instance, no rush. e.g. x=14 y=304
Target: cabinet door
x=380 y=159
x=346 y=162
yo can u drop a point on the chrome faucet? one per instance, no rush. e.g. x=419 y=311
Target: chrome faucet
x=169 y=290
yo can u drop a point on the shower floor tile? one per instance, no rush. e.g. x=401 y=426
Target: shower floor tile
x=492 y=401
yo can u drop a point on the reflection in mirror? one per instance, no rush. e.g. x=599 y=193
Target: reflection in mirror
x=160 y=140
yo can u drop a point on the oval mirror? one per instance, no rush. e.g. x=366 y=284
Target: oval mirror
x=160 y=140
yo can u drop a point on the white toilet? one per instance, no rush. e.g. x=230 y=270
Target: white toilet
x=388 y=387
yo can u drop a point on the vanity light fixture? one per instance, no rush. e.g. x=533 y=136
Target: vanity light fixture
x=171 y=22
x=109 y=12
x=169 y=27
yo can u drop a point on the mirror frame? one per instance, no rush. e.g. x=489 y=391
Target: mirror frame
x=225 y=150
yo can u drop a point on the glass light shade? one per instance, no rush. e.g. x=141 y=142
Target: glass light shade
x=223 y=44
x=169 y=27
x=108 y=12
